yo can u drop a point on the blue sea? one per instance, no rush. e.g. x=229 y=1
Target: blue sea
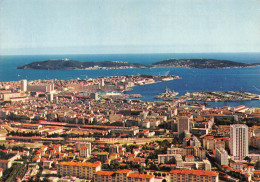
x=193 y=80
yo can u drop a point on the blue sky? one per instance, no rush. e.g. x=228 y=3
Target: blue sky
x=128 y=26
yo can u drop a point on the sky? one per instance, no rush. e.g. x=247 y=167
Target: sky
x=128 y=26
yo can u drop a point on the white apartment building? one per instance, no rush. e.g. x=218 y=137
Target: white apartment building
x=84 y=170
x=239 y=141
x=221 y=156
x=122 y=176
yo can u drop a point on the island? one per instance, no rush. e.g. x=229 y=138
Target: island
x=202 y=63
x=66 y=64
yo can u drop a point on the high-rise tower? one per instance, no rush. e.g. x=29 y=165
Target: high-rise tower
x=24 y=85
x=183 y=124
x=239 y=141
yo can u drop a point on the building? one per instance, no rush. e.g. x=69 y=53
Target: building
x=184 y=175
x=9 y=96
x=1 y=172
x=239 y=141
x=191 y=141
x=41 y=88
x=102 y=156
x=166 y=158
x=174 y=150
x=79 y=145
x=50 y=97
x=122 y=175
x=113 y=149
x=221 y=156
x=24 y=85
x=83 y=152
x=102 y=82
x=5 y=164
x=78 y=169
x=94 y=96
x=183 y=124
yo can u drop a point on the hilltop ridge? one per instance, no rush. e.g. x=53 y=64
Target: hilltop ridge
x=66 y=64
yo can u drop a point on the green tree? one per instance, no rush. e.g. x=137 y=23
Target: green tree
x=248 y=159
x=257 y=165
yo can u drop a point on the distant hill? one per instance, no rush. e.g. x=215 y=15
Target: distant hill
x=202 y=63
x=66 y=64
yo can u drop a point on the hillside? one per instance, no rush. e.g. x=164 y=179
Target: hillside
x=201 y=63
x=65 y=64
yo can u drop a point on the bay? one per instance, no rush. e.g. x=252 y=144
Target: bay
x=193 y=80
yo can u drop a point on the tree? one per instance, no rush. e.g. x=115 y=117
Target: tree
x=141 y=170
x=164 y=180
x=153 y=167
x=46 y=180
x=248 y=159
x=163 y=174
x=257 y=165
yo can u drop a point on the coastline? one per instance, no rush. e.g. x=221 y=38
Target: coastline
x=67 y=64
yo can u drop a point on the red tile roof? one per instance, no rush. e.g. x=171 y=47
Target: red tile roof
x=123 y=171
x=86 y=164
x=194 y=172
x=135 y=175
x=105 y=173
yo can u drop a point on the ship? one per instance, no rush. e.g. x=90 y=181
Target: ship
x=166 y=94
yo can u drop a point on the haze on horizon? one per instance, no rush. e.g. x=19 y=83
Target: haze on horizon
x=129 y=26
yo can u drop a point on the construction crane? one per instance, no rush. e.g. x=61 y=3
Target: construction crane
x=167 y=73
x=257 y=89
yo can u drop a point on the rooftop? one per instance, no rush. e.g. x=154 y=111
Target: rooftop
x=194 y=172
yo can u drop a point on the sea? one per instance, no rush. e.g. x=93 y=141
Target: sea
x=193 y=80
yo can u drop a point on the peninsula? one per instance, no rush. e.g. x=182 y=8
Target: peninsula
x=66 y=64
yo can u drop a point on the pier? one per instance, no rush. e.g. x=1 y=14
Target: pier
x=222 y=96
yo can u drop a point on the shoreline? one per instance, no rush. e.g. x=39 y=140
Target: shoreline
x=112 y=68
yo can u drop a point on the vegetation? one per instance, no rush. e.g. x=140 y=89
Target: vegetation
x=5 y=156
x=16 y=171
x=26 y=134
x=257 y=165
x=201 y=63
x=65 y=64
x=248 y=122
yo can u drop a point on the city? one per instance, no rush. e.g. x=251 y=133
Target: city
x=129 y=91
x=84 y=130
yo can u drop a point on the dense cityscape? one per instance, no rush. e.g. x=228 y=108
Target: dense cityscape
x=129 y=91
x=90 y=130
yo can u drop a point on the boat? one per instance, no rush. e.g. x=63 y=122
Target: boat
x=166 y=94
